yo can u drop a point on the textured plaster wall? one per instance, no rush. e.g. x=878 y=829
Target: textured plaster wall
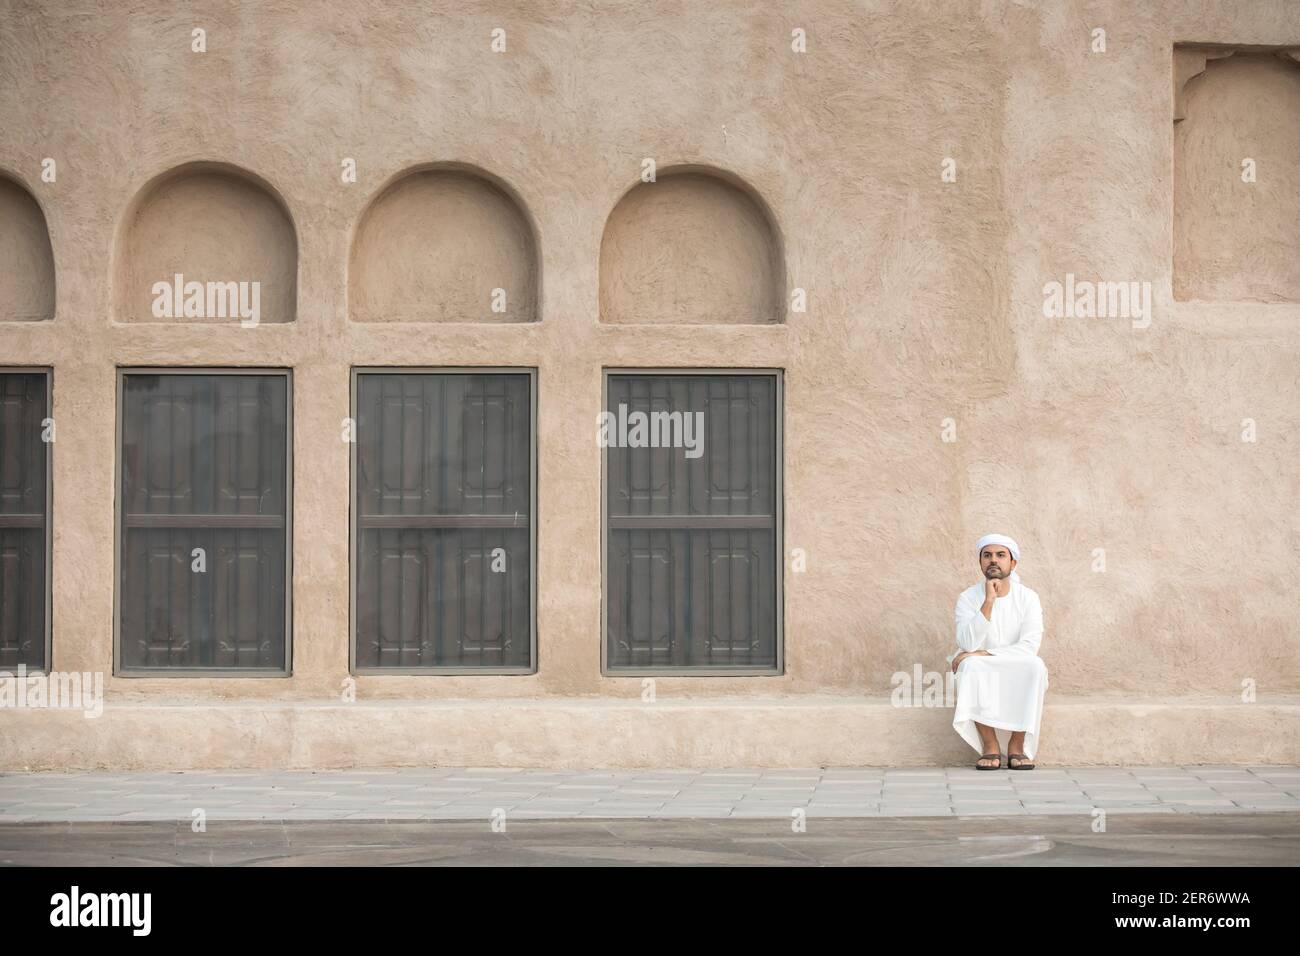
x=925 y=303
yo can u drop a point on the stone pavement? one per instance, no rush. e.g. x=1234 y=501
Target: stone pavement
x=520 y=794
x=1243 y=839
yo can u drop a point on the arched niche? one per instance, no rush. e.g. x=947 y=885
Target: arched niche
x=695 y=246
x=27 y=283
x=225 y=232
x=1236 y=180
x=445 y=243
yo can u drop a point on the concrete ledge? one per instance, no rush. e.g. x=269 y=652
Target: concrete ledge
x=604 y=733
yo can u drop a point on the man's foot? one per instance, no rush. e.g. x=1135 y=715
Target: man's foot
x=989 y=761
x=1019 y=762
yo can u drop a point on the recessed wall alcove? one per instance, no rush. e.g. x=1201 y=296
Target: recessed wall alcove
x=444 y=243
x=1236 y=239
x=696 y=246
x=215 y=225
x=26 y=257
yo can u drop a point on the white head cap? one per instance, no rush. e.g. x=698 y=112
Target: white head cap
x=1002 y=539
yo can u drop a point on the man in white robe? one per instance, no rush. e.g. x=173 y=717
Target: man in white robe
x=1000 y=679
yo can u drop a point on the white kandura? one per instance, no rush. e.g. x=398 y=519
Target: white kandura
x=1004 y=690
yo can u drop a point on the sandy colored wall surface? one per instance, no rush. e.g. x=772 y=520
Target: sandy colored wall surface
x=924 y=302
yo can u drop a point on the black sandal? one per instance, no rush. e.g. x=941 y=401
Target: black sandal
x=1024 y=764
x=990 y=757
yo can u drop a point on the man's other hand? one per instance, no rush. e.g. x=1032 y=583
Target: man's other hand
x=956 y=661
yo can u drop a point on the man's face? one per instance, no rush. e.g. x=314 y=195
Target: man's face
x=996 y=561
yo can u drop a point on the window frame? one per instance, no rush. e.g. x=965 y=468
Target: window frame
x=119 y=503
x=48 y=372
x=778 y=518
x=353 y=520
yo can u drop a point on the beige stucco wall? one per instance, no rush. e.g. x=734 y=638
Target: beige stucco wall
x=925 y=303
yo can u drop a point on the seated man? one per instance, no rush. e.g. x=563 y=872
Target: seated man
x=1001 y=679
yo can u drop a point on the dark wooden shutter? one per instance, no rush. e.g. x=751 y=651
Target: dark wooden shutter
x=204 y=465
x=691 y=570
x=443 y=483
x=24 y=462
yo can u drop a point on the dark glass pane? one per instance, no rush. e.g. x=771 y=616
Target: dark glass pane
x=23 y=518
x=692 y=570
x=204 y=487
x=231 y=615
x=204 y=444
x=430 y=598
x=443 y=497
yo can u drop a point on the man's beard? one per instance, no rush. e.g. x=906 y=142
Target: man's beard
x=994 y=572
